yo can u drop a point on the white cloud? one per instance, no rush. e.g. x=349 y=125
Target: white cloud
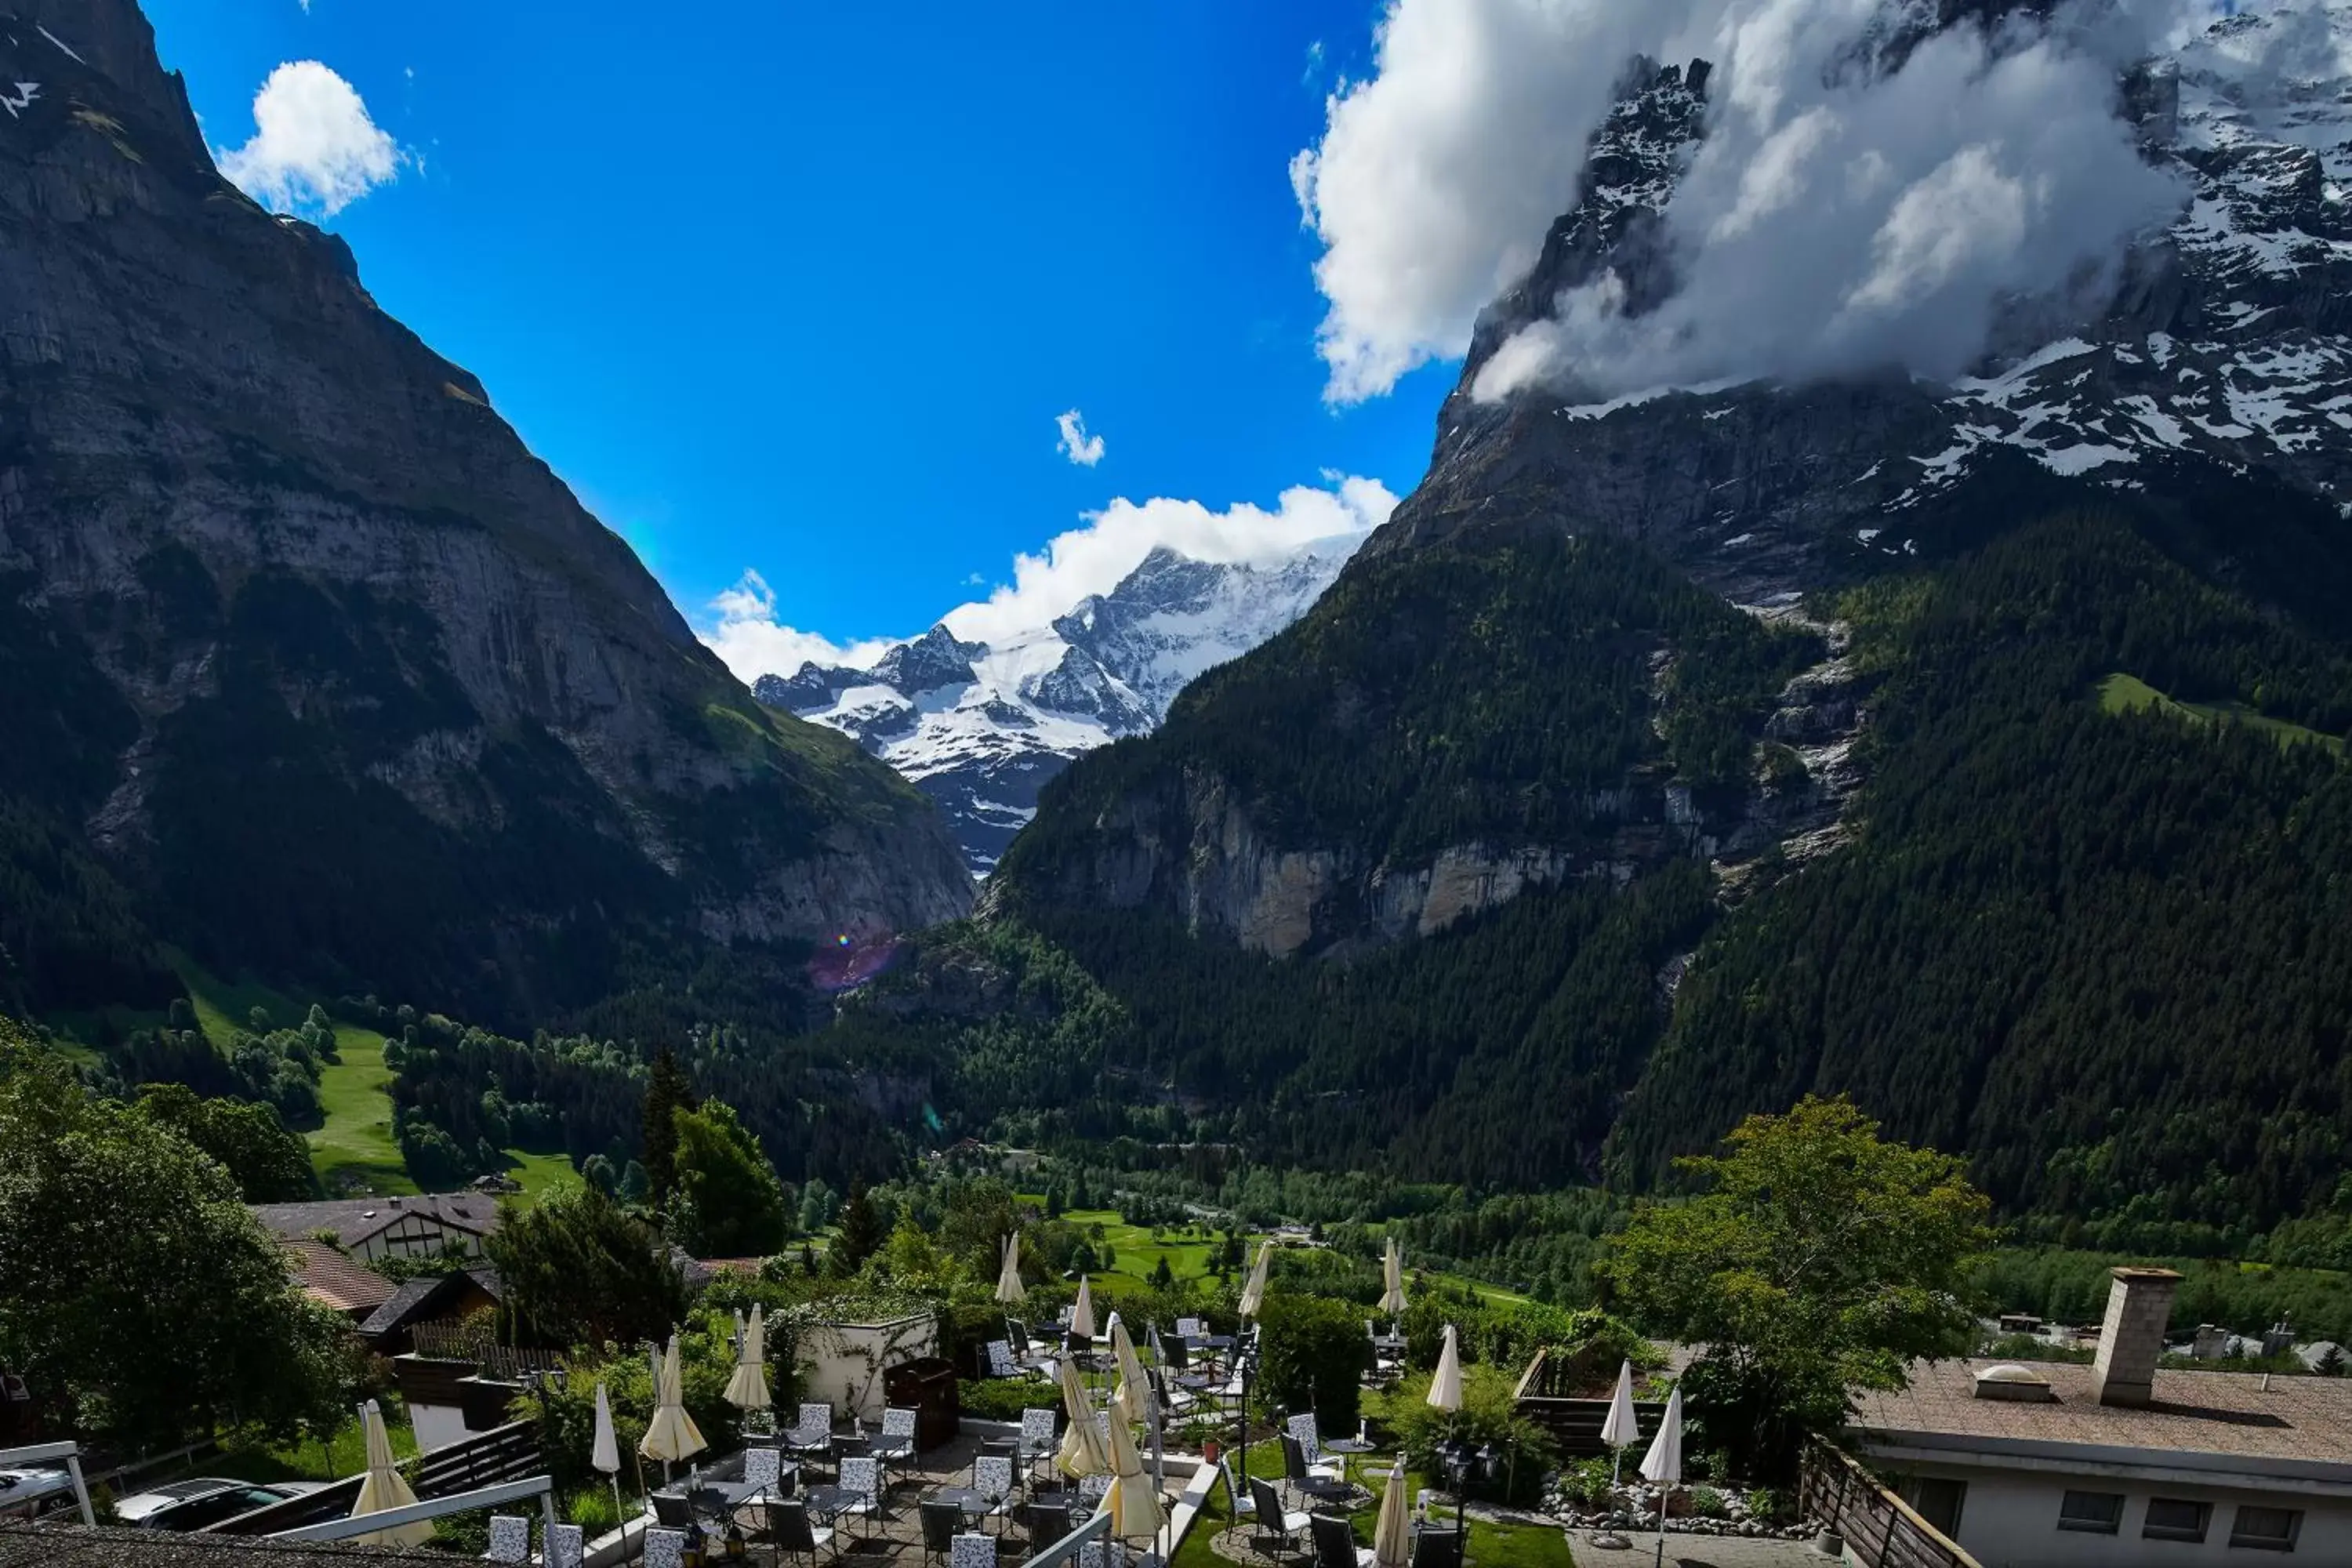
x=313 y=144
x=1114 y=541
x=1076 y=445
x=1839 y=214
x=1092 y=558
x=750 y=641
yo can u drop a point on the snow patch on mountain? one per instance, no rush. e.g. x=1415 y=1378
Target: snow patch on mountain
x=981 y=726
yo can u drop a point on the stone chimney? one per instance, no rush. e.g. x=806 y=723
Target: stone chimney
x=2139 y=1306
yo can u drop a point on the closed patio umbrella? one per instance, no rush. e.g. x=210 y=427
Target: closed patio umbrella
x=672 y=1435
x=605 y=1453
x=1392 y=1278
x=1134 y=1397
x=1134 y=1505
x=747 y=1387
x=1663 y=1465
x=1392 y=1536
x=383 y=1487
x=1445 y=1387
x=1082 y=1451
x=1082 y=1316
x=1009 y=1288
x=1253 y=1292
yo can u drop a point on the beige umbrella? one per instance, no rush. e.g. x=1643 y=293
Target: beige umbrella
x=1134 y=1396
x=747 y=1387
x=1445 y=1387
x=1009 y=1288
x=671 y=1436
x=382 y=1487
x=605 y=1453
x=1393 y=1277
x=1082 y=1316
x=1134 y=1506
x=1392 y=1536
x=1082 y=1447
x=1253 y=1293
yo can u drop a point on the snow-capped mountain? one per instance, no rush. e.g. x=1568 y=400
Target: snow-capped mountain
x=980 y=727
x=2224 y=337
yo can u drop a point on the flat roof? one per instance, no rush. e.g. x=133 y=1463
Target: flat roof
x=2229 y=1415
x=72 y=1546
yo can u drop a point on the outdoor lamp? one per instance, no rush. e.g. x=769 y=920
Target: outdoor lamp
x=690 y=1555
x=732 y=1548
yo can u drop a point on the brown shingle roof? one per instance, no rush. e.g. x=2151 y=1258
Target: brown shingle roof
x=333 y=1281
x=353 y=1220
x=2228 y=1413
x=61 y=1546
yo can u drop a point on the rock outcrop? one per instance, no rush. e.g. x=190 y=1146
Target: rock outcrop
x=380 y=702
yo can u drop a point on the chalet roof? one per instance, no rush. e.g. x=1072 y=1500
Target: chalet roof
x=64 y=1546
x=2230 y=1416
x=426 y=1298
x=353 y=1220
x=333 y=1281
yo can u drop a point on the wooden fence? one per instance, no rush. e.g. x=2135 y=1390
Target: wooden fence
x=1881 y=1530
x=508 y=1453
x=461 y=1342
x=1574 y=1424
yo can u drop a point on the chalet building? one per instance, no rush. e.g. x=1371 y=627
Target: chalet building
x=2057 y=1464
x=373 y=1229
x=333 y=1281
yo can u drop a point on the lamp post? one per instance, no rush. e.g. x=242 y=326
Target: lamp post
x=1465 y=1465
x=1245 y=1357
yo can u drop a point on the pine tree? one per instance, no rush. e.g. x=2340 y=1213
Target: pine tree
x=666 y=1093
x=862 y=1233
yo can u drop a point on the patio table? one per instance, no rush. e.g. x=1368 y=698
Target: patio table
x=976 y=1505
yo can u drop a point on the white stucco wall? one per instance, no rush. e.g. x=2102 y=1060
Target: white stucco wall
x=2010 y=1520
x=844 y=1363
x=437 y=1425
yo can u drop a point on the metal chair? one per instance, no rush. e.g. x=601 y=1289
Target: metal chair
x=1335 y=1543
x=672 y=1510
x=812 y=1433
x=972 y=1551
x=992 y=1478
x=1305 y=1479
x=567 y=1547
x=1040 y=1430
x=1275 y=1521
x=1047 y=1522
x=795 y=1537
x=898 y=1439
x=509 y=1539
x=861 y=1480
x=1437 y=1549
x=665 y=1548
x=941 y=1523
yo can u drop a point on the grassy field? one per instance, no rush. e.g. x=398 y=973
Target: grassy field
x=250 y=1459
x=2122 y=693
x=353 y=1151
x=1136 y=1254
x=540 y=1174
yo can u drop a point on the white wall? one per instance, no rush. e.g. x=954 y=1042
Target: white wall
x=2010 y=1520
x=437 y=1425
x=844 y=1364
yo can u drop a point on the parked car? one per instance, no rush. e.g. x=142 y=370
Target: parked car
x=199 y=1500
x=22 y=1487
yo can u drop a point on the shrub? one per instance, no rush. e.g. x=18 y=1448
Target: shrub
x=1314 y=1356
x=1767 y=1503
x=1707 y=1503
x=1005 y=1398
x=1489 y=1417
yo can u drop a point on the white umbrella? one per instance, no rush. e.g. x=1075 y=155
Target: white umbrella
x=1663 y=1465
x=747 y=1386
x=1253 y=1292
x=671 y=1434
x=1134 y=1396
x=383 y=1487
x=1009 y=1288
x=1392 y=1536
x=1082 y=1316
x=1082 y=1445
x=1393 y=1277
x=605 y=1454
x=1623 y=1429
x=1445 y=1387
x=1134 y=1506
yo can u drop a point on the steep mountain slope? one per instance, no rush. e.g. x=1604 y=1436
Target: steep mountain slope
x=313 y=668
x=1812 y=677
x=981 y=727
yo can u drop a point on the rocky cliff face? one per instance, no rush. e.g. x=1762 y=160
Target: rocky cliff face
x=982 y=727
x=355 y=660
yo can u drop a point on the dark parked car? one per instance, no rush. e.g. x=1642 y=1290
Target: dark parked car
x=199 y=1500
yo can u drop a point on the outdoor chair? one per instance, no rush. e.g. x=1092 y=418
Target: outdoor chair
x=861 y=1483
x=1047 y=1522
x=1273 y=1521
x=567 y=1547
x=509 y=1539
x=1102 y=1554
x=1437 y=1549
x=1335 y=1543
x=794 y=1536
x=665 y=1548
x=992 y=1478
x=764 y=1467
x=1173 y=1397
x=1176 y=1352
x=812 y=1433
x=671 y=1510
x=1092 y=1489
x=942 y=1521
x=850 y=1446
x=1040 y=1432
x=1305 y=1479
x=898 y=1439
x=972 y=1551
x=1309 y=1433
x=1001 y=1362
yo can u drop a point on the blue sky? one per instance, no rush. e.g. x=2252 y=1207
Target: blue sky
x=803 y=289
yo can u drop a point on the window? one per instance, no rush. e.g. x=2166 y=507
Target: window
x=1936 y=1499
x=2175 y=1518
x=2100 y=1513
x=2266 y=1529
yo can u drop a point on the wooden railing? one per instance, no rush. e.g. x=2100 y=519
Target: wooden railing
x=462 y=1341
x=1881 y=1530
x=1573 y=1423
